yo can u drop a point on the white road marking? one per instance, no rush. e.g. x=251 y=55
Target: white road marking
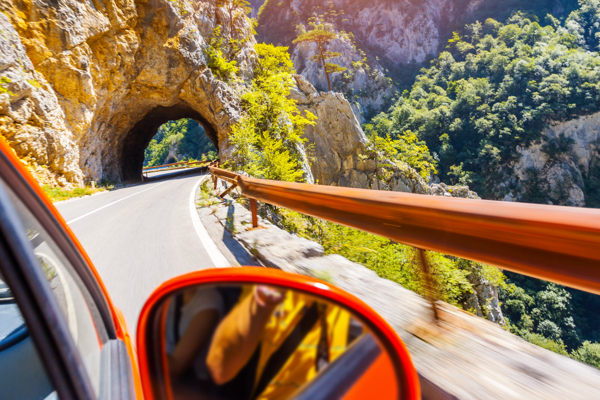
x=114 y=202
x=209 y=245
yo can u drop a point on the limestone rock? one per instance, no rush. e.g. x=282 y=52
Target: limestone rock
x=339 y=145
x=441 y=189
x=369 y=89
x=559 y=177
x=484 y=300
x=31 y=118
x=107 y=76
x=392 y=35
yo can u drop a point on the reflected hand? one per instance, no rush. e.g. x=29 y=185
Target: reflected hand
x=268 y=296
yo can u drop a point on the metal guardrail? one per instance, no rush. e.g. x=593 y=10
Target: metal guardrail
x=554 y=243
x=175 y=166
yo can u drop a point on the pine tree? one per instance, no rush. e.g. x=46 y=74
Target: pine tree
x=322 y=34
x=233 y=7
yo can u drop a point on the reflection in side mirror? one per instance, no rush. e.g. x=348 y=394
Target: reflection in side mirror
x=266 y=341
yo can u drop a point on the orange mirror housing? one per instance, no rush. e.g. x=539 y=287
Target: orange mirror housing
x=387 y=373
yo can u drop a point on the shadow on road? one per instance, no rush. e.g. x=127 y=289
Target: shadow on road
x=239 y=252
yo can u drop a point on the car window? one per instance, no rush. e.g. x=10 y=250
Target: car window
x=77 y=306
x=22 y=375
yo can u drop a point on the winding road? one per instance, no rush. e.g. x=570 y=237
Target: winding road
x=140 y=236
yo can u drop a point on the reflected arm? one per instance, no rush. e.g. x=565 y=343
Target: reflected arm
x=237 y=338
x=195 y=337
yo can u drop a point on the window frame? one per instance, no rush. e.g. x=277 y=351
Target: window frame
x=40 y=308
x=41 y=312
x=55 y=230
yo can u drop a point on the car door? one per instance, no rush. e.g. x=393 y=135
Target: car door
x=57 y=332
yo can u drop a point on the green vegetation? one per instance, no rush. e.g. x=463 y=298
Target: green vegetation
x=588 y=353
x=268 y=140
x=393 y=261
x=557 y=318
x=59 y=194
x=536 y=10
x=222 y=68
x=548 y=344
x=207 y=197
x=406 y=148
x=495 y=89
x=321 y=33
x=185 y=137
x=5 y=81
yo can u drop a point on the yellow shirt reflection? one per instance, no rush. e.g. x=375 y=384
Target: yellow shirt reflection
x=301 y=365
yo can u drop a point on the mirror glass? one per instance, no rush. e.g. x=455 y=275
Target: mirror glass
x=266 y=342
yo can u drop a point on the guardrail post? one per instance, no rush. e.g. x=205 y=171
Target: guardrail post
x=254 y=211
x=429 y=288
x=215 y=181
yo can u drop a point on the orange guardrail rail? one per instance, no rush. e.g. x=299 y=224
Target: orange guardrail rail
x=554 y=243
x=183 y=164
x=165 y=165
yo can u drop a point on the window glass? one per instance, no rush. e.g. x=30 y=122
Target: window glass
x=22 y=375
x=77 y=306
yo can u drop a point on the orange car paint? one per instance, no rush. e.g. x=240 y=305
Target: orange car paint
x=381 y=370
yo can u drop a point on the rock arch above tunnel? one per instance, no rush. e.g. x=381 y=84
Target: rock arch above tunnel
x=90 y=93
x=141 y=134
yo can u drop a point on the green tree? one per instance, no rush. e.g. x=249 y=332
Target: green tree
x=405 y=147
x=321 y=33
x=588 y=353
x=219 y=65
x=187 y=138
x=268 y=140
x=494 y=92
x=233 y=8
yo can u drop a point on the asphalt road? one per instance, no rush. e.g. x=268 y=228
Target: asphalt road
x=146 y=237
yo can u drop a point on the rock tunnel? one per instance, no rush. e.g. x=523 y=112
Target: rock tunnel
x=139 y=137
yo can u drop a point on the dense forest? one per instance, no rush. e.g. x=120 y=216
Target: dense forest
x=494 y=90
x=182 y=140
x=495 y=87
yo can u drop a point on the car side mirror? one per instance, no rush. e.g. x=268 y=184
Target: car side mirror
x=257 y=333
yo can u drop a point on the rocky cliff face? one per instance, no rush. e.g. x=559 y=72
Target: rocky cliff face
x=340 y=154
x=560 y=168
x=398 y=32
x=87 y=84
x=391 y=35
x=30 y=114
x=85 y=88
x=363 y=83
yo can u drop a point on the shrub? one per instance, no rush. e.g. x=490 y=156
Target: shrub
x=588 y=353
x=548 y=344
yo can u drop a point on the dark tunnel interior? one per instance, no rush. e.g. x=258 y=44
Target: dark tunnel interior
x=142 y=133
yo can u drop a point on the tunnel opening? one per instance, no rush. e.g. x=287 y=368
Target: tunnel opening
x=181 y=140
x=173 y=134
